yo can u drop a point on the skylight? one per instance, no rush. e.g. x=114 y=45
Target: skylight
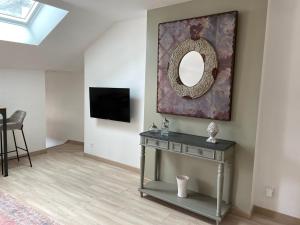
x=17 y=10
x=28 y=21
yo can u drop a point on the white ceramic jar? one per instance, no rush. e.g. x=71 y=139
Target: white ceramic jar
x=182 y=182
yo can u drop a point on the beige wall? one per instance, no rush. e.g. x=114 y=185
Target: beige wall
x=242 y=128
x=64 y=104
x=277 y=150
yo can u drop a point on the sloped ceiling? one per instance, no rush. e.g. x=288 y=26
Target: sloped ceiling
x=63 y=49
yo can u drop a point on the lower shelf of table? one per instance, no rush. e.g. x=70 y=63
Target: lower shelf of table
x=195 y=202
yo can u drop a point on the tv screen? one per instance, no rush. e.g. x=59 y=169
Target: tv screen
x=110 y=103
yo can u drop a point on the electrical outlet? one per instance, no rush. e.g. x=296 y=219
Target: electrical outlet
x=269 y=192
x=92 y=146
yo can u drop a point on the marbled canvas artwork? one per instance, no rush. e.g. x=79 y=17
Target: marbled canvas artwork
x=220 y=31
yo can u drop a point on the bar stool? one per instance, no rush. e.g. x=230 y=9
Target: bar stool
x=15 y=122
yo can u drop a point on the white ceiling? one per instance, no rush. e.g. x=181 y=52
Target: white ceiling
x=63 y=49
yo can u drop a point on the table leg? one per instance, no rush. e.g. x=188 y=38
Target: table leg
x=142 y=168
x=157 y=165
x=5 y=143
x=2 y=161
x=220 y=188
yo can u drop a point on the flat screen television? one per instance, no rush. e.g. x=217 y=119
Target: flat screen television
x=110 y=103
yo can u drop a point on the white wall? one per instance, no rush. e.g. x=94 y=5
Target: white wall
x=277 y=161
x=25 y=90
x=117 y=59
x=64 y=107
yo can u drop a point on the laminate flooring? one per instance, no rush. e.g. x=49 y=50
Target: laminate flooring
x=73 y=189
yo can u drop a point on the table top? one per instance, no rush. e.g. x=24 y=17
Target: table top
x=221 y=145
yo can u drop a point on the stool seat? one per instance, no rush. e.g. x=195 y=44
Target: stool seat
x=10 y=126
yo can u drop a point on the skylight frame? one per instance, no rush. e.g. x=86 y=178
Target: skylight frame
x=15 y=19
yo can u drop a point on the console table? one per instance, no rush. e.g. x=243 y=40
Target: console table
x=4 y=162
x=222 y=153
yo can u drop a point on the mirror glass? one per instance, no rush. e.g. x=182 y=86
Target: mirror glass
x=191 y=68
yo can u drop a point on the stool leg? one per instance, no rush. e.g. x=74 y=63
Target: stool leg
x=16 y=145
x=26 y=147
x=2 y=165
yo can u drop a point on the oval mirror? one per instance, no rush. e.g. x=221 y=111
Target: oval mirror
x=191 y=68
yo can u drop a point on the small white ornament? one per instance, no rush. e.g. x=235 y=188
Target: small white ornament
x=212 y=130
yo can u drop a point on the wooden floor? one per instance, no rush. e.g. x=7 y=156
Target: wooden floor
x=76 y=190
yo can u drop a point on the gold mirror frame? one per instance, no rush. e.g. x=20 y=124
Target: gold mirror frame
x=210 y=67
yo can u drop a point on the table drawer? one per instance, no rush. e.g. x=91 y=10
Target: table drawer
x=176 y=147
x=157 y=143
x=201 y=152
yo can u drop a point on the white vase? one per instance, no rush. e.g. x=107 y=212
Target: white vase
x=182 y=182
